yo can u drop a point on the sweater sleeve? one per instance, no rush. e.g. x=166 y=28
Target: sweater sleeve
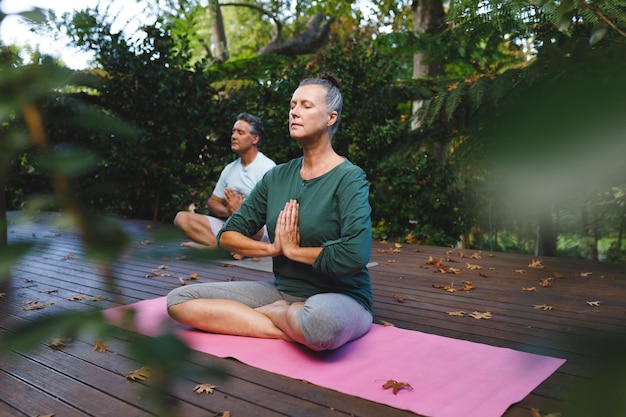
x=349 y=254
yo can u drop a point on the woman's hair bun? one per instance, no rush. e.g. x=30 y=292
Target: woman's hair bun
x=331 y=78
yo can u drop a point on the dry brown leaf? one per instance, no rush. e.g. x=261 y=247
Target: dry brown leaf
x=2 y=294
x=182 y=281
x=455 y=271
x=99 y=346
x=456 y=313
x=69 y=256
x=536 y=263
x=163 y=267
x=50 y=291
x=546 y=282
x=59 y=342
x=483 y=275
x=594 y=303
x=397 y=386
x=97 y=298
x=542 y=307
x=476 y=256
x=45 y=415
x=520 y=271
x=35 y=305
x=467 y=286
x=140 y=374
x=558 y=276
x=193 y=275
x=536 y=413
x=204 y=388
x=387 y=324
x=399 y=298
x=77 y=298
x=473 y=266
x=585 y=274
x=529 y=289
x=478 y=315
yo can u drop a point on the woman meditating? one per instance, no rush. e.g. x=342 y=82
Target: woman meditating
x=317 y=212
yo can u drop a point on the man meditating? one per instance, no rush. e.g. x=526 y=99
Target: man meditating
x=234 y=184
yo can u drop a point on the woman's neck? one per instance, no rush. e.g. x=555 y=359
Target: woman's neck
x=318 y=160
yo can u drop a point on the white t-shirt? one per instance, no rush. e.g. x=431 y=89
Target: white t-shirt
x=242 y=179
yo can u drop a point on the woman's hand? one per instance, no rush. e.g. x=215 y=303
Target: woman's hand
x=287 y=229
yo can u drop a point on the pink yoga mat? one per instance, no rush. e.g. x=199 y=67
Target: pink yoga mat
x=450 y=377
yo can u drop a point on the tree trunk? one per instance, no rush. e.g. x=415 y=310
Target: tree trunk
x=219 y=34
x=428 y=17
x=3 y=219
x=547 y=235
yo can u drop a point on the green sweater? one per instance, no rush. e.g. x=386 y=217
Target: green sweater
x=334 y=214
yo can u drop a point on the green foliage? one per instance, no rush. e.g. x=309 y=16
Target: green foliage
x=426 y=201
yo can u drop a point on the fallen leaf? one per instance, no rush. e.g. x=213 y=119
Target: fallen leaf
x=585 y=274
x=182 y=281
x=2 y=294
x=77 y=298
x=140 y=374
x=542 y=307
x=397 y=386
x=594 y=303
x=536 y=263
x=546 y=282
x=476 y=256
x=400 y=299
x=483 y=275
x=456 y=313
x=69 y=256
x=204 y=389
x=558 y=276
x=146 y=242
x=50 y=291
x=529 y=289
x=99 y=346
x=392 y=261
x=455 y=271
x=467 y=286
x=478 y=315
x=59 y=342
x=520 y=271
x=473 y=266
x=163 y=267
x=386 y=323
x=535 y=413
x=398 y=245
x=97 y=298
x=34 y=305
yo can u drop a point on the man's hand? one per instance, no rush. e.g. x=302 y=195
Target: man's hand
x=232 y=200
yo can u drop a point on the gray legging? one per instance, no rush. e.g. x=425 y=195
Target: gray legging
x=327 y=320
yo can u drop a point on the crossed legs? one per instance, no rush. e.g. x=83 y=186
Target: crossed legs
x=257 y=309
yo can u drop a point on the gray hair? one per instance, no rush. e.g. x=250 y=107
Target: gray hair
x=334 y=101
x=256 y=125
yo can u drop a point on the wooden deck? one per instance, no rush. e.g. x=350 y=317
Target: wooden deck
x=78 y=381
